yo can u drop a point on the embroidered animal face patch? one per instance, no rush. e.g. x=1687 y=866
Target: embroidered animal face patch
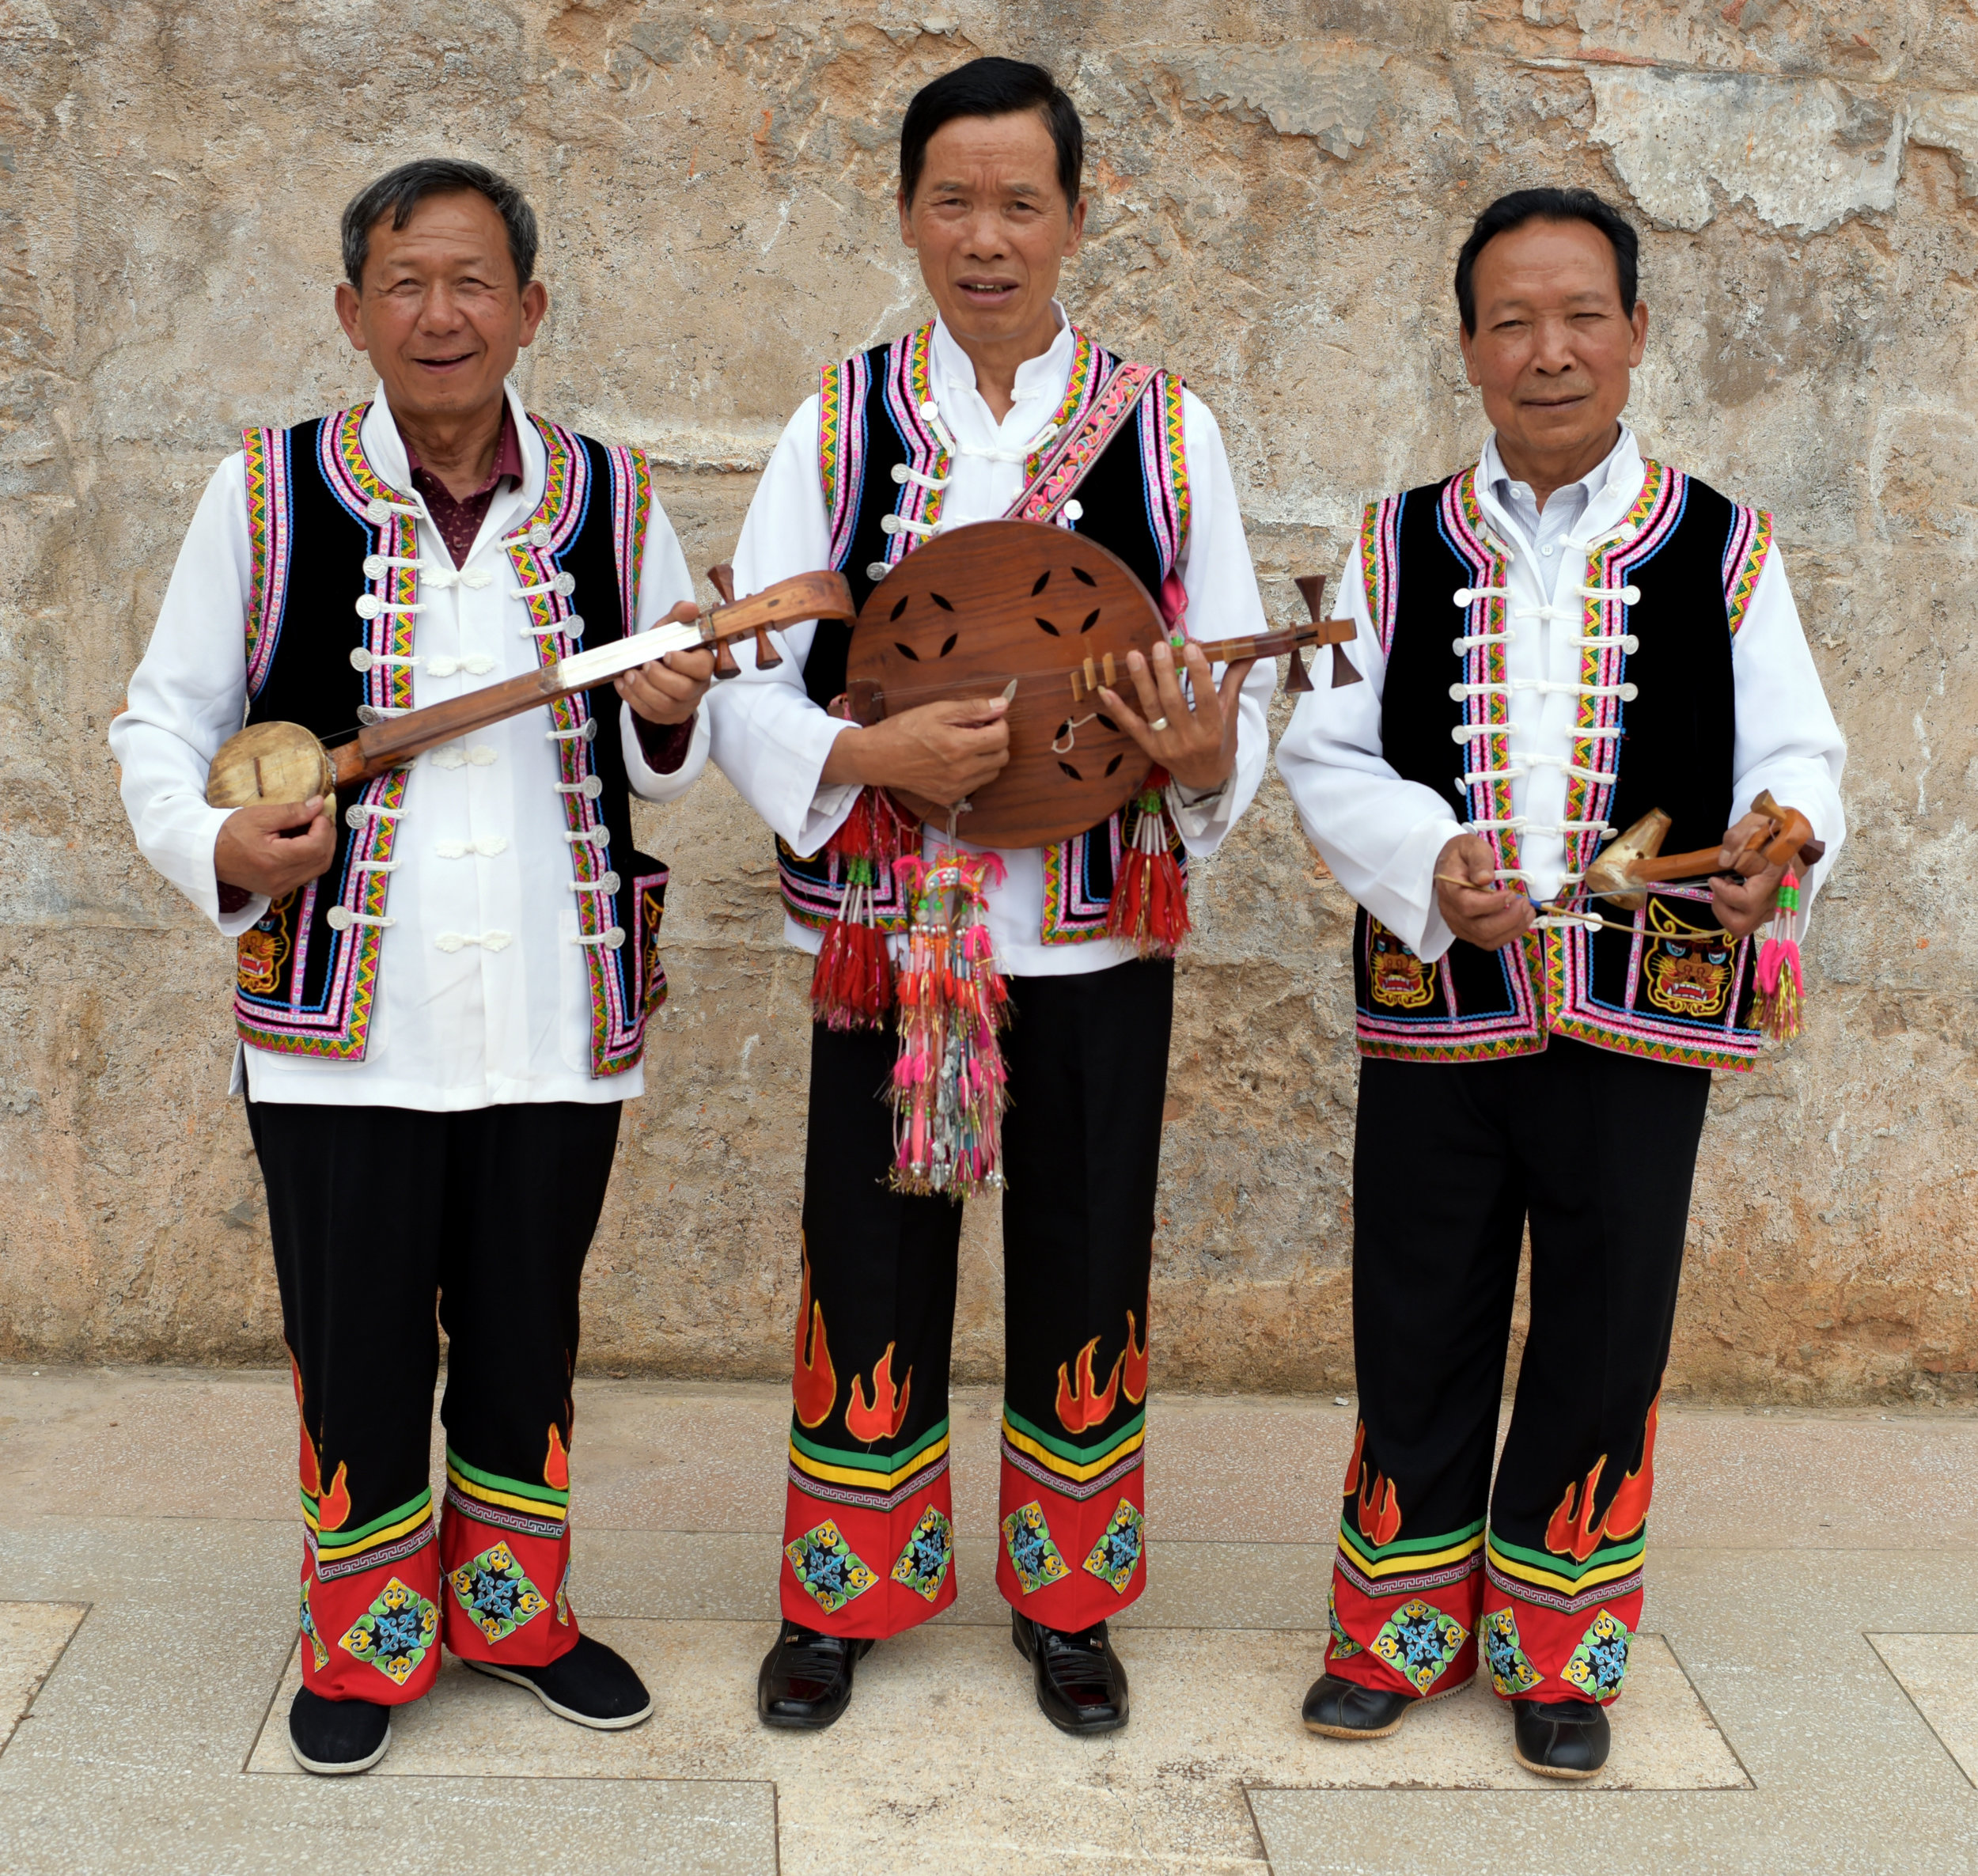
x=1687 y=968
x=1398 y=979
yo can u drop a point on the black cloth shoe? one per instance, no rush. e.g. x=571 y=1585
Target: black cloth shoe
x=1082 y=1685
x=1559 y=1739
x=1345 y=1710
x=333 y=1736
x=592 y=1684
x=806 y=1678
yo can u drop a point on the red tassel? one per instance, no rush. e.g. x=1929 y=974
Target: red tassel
x=1150 y=907
x=851 y=987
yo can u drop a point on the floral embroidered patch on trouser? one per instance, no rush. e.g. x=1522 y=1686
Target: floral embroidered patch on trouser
x=1419 y=1641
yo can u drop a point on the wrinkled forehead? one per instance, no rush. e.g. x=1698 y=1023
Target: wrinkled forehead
x=1013 y=153
x=1546 y=265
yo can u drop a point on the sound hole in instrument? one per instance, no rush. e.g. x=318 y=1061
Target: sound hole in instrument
x=1057 y=614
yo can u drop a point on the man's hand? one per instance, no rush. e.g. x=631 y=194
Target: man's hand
x=1744 y=904
x=1197 y=745
x=1481 y=913
x=669 y=689
x=941 y=752
x=274 y=850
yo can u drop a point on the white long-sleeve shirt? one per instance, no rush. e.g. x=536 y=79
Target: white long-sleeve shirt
x=771 y=741
x=1381 y=835
x=481 y=847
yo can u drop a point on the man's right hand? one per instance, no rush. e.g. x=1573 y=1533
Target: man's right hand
x=274 y=850
x=1482 y=913
x=940 y=751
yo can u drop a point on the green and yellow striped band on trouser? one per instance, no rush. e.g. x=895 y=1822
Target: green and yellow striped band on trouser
x=532 y=1499
x=869 y=1471
x=1408 y=1556
x=332 y=1545
x=1073 y=1462
x=1561 y=1574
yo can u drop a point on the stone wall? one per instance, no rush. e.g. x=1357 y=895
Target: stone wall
x=1279 y=191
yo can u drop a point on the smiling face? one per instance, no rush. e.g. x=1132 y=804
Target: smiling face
x=991 y=226
x=441 y=313
x=1553 y=351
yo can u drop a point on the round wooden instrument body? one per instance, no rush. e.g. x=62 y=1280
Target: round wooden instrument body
x=270 y=762
x=1001 y=601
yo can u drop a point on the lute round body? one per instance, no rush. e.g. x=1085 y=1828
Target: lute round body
x=1002 y=603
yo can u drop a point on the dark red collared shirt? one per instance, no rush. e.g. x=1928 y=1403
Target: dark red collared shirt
x=459 y=520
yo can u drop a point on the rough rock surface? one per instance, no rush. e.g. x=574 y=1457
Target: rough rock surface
x=1279 y=191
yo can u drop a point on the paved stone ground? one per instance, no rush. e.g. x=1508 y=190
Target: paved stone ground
x=1805 y=1696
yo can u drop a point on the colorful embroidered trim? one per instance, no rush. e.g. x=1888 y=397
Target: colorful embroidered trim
x=1748 y=543
x=631 y=509
x=483 y=1494
x=841 y=448
x=871 y=1481
x=1065 y=464
x=390 y=1539
x=271 y=521
x=1556 y=1582
x=1073 y=1471
x=1380 y=547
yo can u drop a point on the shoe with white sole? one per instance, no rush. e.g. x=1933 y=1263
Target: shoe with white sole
x=593 y=1684
x=333 y=1738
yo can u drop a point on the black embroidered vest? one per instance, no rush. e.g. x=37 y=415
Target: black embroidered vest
x=328 y=635
x=1677 y=576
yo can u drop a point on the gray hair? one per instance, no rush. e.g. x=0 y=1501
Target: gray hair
x=398 y=193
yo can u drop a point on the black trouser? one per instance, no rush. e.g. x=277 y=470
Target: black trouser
x=1595 y=1149
x=868 y=1536
x=376 y=1213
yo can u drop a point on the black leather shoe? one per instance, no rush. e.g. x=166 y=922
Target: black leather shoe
x=806 y=1678
x=1345 y=1709
x=332 y=1737
x=1081 y=1684
x=1559 y=1739
x=592 y=1684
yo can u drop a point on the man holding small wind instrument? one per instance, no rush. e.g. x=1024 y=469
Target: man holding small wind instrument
x=420 y=608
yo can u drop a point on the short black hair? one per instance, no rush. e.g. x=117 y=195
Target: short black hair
x=398 y=193
x=1521 y=206
x=992 y=88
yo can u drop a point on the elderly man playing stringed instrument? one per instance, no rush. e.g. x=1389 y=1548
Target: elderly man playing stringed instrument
x=443 y=987
x=1567 y=642
x=999 y=405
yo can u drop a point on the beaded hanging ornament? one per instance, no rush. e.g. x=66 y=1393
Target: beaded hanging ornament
x=1782 y=985
x=948 y=1083
x=851 y=987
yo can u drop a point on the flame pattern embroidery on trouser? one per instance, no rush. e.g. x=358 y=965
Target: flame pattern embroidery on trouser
x=394 y=1633
x=828 y=1567
x=923 y=1565
x=1026 y=1535
x=1511 y=1671
x=1599 y=1662
x=1419 y=1641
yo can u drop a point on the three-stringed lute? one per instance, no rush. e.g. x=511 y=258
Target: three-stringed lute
x=284 y=762
x=1045 y=617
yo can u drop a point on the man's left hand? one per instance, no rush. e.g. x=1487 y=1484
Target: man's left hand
x=1744 y=904
x=669 y=689
x=1197 y=745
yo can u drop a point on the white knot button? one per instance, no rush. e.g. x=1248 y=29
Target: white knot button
x=1073 y=511
x=1630 y=596
x=930 y=410
x=369 y=605
x=450 y=941
x=1462 y=597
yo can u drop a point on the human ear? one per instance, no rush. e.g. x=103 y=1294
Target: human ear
x=347 y=316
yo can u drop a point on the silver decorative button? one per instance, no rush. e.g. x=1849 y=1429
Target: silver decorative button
x=877 y=570
x=361 y=659
x=377 y=510
x=538 y=534
x=614 y=938
x=609 y=883
x=338 y=918
x=1073 y=511
x=373 y=566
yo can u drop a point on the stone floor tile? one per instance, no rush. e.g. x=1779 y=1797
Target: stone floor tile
x=1940 y=1674
x=944 y=1731
x=33 y=1635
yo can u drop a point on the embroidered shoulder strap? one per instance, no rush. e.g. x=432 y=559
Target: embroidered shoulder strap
x=1380 y=543
x=1071 y=460
x=1746 y=548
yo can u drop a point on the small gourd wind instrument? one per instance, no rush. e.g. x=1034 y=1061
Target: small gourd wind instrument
x=1044 y=617
x=283 y=762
